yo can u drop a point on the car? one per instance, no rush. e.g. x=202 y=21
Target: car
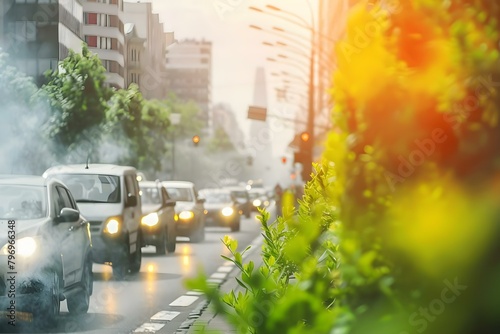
x=259 y=198
x=189 y=209
x=45 y=249
x=108 y=196
x=243 y=199
x=158 y=221
x=221 y=208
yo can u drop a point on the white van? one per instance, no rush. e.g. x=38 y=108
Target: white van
x=108 y=197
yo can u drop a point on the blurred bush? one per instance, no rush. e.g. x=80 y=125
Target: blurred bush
x=398 y=230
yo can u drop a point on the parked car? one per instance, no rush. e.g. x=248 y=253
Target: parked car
x=221 y=208
x=243 y=199
x=108 y=196
x=158 y=221
x=189 y=209
x=259 y=198
x=45 y=249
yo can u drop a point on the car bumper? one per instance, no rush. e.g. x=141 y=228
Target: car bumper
x=107 y=248
x=220 y=220
x=151 y=234
x=185 y=228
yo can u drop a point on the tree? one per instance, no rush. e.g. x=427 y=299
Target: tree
x=78 y=98
x=220 y=142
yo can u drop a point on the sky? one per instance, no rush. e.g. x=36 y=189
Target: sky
x=237 y=50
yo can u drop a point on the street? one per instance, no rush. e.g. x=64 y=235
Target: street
x=123 y=306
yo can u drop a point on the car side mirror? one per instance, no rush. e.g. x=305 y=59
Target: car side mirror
x=68 y=215
x=200 y=200
x=170 y=202
x=131 y=200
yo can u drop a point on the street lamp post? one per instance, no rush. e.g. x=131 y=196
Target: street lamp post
x=175 y=119
x=310 y=26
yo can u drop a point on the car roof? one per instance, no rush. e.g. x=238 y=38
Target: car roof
x=108 y=169
x=178 y=184
x=28 y=180
x=149 y=184
x=215 y=190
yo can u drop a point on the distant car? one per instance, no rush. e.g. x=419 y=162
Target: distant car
x=158 y=221
x=259 y=198
x=45 y=245
x=108 y=196
x=188 y=208
x=243 y=199
x=221 y=208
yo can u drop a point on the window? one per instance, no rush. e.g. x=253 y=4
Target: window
x=90 y=18
x=91 y=41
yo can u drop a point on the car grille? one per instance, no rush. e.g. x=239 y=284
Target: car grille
x=95 y=226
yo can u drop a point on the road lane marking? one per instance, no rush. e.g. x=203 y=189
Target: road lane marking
x=219 y=275
x=194 y=293
x=225 y=269
x=184 y=301
x=164 y=316
x=149 y=327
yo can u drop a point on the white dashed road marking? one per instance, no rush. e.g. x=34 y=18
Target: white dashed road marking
x=218 y=275
x=149 y=328
x=184 y=301
x=164 y=316
x=194 y=293
x=225 y=269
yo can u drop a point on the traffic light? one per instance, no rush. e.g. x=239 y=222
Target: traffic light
x=196 y=140
x=304 y=154
x=283 y=160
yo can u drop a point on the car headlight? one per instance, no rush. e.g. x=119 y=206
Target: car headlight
x=227 y=211
x=186 y=215
x=112 y=226
x=150 y=219
x=256 y=202
x=24 y=247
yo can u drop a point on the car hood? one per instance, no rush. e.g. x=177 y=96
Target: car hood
x=23 y=228
x=148 y=208
x=183 y=206
x=217 y=206
x=100 y=211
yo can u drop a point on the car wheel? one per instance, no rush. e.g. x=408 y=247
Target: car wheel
x=161 y=246
x=49 y=302
x=235 y=226
x=198 y=235
x=171 y=240
x=79 y=302
x=121 y=266
x=136 y=260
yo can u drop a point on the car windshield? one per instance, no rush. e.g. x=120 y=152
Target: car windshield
x=215 y=197
x=239 y=194
x=23 y=202
x=180 y=194
x=150 y=195
x=93 y=188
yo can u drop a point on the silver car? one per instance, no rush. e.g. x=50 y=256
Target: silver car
x=45 y=249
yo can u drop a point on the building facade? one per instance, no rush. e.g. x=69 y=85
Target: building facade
x=37 y=34
x=145 y=51
x=189 y=74
x=104 y=33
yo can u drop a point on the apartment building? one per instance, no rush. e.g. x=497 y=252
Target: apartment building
x=145 y=51
x=189 y=73
x=103 y=31
x=37 y=34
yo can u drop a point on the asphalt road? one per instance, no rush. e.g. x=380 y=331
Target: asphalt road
x=124 y=306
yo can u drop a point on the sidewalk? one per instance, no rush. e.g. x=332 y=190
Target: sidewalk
x=209 y=322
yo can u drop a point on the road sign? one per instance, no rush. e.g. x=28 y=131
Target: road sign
x=257 y=113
